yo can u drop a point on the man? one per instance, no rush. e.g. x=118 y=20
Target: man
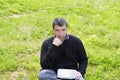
x=62 y=51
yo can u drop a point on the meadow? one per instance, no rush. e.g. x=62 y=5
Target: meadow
x=25 y=24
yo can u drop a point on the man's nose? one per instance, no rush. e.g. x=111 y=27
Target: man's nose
x=61 y=33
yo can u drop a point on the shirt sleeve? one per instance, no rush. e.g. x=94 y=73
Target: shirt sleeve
x=47 y=55
x=83 y=59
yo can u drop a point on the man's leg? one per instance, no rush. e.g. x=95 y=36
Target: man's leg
x=47 y=74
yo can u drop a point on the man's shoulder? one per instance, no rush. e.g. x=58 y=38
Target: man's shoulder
x=73 y=37
x=49 y=40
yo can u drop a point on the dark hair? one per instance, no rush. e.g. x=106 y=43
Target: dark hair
x=60 y=22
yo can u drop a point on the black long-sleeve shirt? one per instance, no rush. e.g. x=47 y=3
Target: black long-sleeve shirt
x=69 y=55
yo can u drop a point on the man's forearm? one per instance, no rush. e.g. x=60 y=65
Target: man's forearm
x=47 y=57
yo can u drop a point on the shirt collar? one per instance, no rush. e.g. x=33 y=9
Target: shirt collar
x=67 y=36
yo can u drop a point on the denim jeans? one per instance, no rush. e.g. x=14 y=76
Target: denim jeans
x=48 y=74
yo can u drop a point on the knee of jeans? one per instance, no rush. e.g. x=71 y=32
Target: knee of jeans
x=44 y=74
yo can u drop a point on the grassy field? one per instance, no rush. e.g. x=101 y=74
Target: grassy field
x=24 y=24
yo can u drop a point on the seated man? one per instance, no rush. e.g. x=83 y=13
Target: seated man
x=62 y=51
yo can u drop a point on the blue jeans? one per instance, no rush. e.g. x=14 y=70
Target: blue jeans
x=48 y=74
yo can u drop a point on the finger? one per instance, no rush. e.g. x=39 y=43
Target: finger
x=79 y=74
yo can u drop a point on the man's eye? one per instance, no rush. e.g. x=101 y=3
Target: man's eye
x=63 y=29
x=57 y=30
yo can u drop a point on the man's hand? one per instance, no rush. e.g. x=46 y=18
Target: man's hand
x=57 y=41
x=79 y=74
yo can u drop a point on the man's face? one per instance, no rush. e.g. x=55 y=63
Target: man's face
x=60 y=31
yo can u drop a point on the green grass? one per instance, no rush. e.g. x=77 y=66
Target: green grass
x=24 y=24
